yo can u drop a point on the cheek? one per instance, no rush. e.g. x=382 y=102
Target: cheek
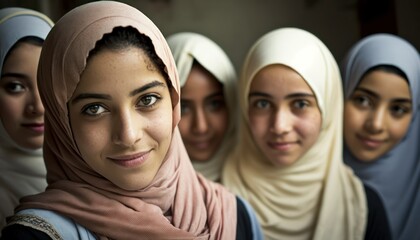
x=353 y=118
x=220 y=122
x=259 y=126
x=310 y=127
x=11 y=107
x=161 y=124
x=91 y=139
x=184 y=125
x=399 y=129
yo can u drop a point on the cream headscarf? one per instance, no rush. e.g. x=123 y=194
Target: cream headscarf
x=187 y=47
x=176 y=204
x=317 y=197
x=22 y=171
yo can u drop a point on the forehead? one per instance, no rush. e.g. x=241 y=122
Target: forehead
x=385 y=84
x=279 y=79
x=113 y=69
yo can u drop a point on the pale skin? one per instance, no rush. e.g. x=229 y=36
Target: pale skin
x=121 y=117
x=377 y=115
x=21 y=111
x=205 y=116
x=284 y=117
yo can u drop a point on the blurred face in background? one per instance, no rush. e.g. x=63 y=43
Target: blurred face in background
x=377 y=114
x=205 y=116
x=284 y=117
x=21 y=111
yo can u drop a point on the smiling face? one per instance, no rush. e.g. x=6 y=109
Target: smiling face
x=21 y=111
x=204 y=114
x=121 y=117
x=284 y=117
x=377 y=115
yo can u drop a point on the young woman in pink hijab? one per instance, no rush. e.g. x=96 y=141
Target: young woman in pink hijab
x=117 y=167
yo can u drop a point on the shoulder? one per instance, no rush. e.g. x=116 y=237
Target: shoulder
x=377 y=224
x=44 y=224
x=248 y=226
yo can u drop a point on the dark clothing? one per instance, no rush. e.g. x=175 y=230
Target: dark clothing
x=243 y=227
x=377 y=224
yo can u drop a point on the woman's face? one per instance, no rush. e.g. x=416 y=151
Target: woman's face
x=205 y=117
x=21 y=111
x=284 y=117
x=377 y=115
x=121 y=117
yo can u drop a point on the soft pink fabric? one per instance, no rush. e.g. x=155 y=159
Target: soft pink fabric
x=177 y=204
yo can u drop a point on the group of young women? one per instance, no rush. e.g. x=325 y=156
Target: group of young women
x=144 y=140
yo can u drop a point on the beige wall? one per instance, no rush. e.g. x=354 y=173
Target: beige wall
x=236 y=24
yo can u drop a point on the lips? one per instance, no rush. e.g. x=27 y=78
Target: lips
x=36 y=127
x=370 y=142
x=200 y=144
x=132 y=160
x=282 y=146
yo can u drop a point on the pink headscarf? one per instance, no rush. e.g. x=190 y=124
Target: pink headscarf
x=177 y=204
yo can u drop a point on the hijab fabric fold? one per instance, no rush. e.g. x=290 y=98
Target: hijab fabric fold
x=22 y=171
x=395 y=176
x=317 y=197
x=177 y=204
x=187 y=47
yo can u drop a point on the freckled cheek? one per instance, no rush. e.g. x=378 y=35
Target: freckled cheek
x=160 y=126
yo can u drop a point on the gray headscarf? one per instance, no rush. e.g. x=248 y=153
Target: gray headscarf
x=22 y=171
x=395 y=176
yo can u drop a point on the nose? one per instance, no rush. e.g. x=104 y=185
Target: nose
x=376 y=120
x=34 y=106
x=127 y=128
x=282 y=122
x=200 y=123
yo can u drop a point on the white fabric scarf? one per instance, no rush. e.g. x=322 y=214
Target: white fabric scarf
x=317 y=197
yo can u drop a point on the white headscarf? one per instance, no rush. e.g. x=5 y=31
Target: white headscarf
x=317 y=197
x=187 y=47
x=395 y=175
x=22 y=171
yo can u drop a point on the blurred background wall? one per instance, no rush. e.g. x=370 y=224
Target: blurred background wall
x=236 y=24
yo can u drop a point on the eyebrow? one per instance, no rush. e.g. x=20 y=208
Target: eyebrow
x=216 y=94
x=146 y=87
x=108 y=97
x=13 y=75
x=402 y=100
x=293 y=95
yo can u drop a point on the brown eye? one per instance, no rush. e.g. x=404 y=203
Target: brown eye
x=262 y=104
x=300 y=104
x=399 y=111
x=362 y=101
x=14 y=87
x=93 y=110
x=148 y=101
